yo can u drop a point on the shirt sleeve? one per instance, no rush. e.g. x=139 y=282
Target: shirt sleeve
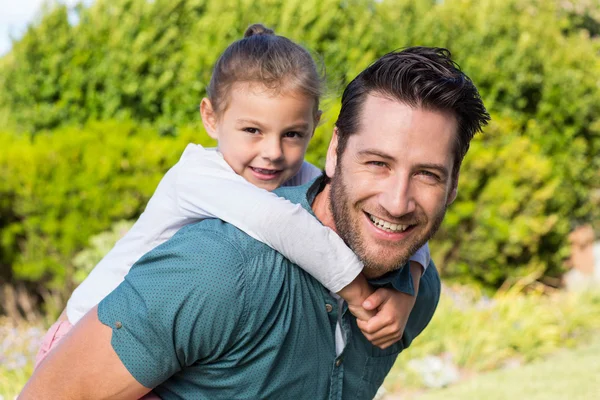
x=182 y=302
x=422 y=256
x=208 y=187
x=425 y=305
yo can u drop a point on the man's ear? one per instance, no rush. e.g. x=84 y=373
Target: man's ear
x=331 y=161
x=453 y=190
x=209 y=118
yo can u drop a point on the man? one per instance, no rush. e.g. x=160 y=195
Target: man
x=213 y=313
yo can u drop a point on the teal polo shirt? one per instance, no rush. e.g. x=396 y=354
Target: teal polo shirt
x=215 y=314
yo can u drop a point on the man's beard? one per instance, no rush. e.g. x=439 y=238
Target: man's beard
x=347 y=224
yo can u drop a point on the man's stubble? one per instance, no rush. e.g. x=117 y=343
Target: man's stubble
x=348 y=228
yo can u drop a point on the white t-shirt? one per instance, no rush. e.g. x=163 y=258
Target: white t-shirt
x=202 y=185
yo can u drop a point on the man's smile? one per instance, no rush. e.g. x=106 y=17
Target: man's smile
x=388 y=226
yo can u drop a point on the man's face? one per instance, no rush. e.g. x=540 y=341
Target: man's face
x=390 y=189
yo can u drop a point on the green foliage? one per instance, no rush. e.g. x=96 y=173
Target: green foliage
x=99 y=246
x=507 y=220
x=525 y=183
x=59 y=189
x=151 y=61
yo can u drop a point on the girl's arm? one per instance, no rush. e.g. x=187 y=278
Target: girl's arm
x=206 y=186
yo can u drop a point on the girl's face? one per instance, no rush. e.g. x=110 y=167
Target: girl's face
x=263 y=136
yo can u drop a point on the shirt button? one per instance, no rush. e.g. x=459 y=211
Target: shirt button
x=328 y=307
x=338 y=362
x=118 y=324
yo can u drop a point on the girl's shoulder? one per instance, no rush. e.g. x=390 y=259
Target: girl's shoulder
x=307 y=173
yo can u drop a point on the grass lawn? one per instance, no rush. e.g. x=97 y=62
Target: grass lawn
x=569 y=374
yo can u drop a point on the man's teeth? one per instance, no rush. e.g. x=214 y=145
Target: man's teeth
x=387 y=226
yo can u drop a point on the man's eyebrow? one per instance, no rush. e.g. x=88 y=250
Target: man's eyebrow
x=376 y=153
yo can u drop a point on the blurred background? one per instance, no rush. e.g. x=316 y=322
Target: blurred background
x=99 y=98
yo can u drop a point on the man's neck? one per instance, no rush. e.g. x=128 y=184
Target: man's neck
x=322 y=208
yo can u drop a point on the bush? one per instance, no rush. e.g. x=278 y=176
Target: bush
x=59 y=189
x=99 y=246
x=151 y=61
x=525 y=183
x=508 y=220
x=529 y=179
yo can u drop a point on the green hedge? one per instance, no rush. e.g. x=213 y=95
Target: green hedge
x=509 y=220
x=61 y=188
x=151 y=61
x=525 y=183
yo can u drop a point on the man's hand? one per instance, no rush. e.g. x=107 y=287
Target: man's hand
x=393 y=309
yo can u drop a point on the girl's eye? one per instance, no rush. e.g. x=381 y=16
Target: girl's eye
x=293 y=135
x=251 y=130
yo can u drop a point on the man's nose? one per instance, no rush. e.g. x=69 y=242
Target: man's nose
x=397 y=197
x=272 y=149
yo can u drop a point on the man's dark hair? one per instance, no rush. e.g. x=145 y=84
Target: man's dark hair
x=418 y=77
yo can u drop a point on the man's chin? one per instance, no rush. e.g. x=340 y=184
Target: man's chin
x=374 y=267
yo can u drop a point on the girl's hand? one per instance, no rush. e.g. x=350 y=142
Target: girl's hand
x=355 y=295
x=393 y=308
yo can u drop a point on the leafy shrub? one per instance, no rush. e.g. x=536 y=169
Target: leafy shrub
x=525 y=183
x=507 y=219
x=99 y=246
x=151 y=61
x=59 y=189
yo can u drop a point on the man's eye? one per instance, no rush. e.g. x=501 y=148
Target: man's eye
x=430 y=174
x=377 y=163
x=251 y=130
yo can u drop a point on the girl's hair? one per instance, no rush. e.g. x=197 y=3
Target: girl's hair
x=271 y=60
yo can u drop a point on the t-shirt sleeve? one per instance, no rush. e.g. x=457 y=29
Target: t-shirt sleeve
x=180 y=303
x=422 y=256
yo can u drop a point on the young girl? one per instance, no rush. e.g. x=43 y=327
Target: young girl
x=262 y=107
